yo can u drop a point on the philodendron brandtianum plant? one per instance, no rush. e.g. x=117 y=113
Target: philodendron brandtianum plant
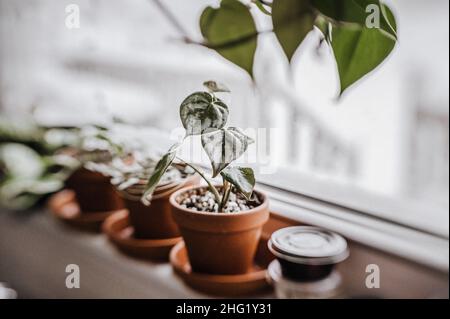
x=29 y=169
x=204 y=114
x=27 y=176
x=361 y=33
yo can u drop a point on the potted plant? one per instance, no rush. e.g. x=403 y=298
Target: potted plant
x=27 y=177
x=130 y=176
x=29 y=168
x=220 y=223
x=93 y=190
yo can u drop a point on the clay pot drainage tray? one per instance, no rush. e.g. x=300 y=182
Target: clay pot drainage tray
x=119 y=231
x=251 y=283
x=63 y=205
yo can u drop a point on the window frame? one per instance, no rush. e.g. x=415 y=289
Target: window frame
x=419 y=246
x=354 y=213
x=402 y=212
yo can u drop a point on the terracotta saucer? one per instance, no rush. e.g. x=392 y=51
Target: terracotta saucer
x=252 y=283
x=63 y=205
x=119 y=231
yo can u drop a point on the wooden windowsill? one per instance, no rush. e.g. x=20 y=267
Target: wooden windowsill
x=422 y=282
x=35 y=249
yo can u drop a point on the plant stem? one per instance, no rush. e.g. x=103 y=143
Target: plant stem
x=211 y=187
x=230 y=43
x=226 y=195
x=186 y=38
x=226 y=187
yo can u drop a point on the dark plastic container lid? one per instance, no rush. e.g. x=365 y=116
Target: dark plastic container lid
x=307 y=245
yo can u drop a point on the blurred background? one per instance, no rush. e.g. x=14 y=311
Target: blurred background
x=388 y=135
x=383 y=147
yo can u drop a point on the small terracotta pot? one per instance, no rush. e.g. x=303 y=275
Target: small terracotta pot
x=220 y=243
x=155 y=221
x=94 y=192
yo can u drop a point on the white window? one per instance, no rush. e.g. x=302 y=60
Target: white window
x=382 y=149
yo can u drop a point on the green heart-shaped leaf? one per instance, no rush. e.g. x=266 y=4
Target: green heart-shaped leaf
x=292 y=21
x=389 y=18
x=242 y=178
x=231 y=31
x=202 y=111
x=359 y=51
x=354 y=11
x=224 y=146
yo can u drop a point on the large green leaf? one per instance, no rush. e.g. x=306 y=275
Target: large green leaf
x=242 y=178
x=389 y=17
x=160 y=169
x=224 y=146
x=358 y=51
x=292 y=21
x=354 y=11
x=201 y=111
x=231 y=31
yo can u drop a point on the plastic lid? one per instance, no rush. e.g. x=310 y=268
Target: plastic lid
x=308 y=245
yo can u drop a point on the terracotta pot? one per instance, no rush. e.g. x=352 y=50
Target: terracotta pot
x=155 y=221
x=220 y=243
x=94 y=192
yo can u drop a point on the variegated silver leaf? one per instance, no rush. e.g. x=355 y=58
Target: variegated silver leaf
x=224 y=146
x=203 y=111
x=162 y=166
x=242 y=178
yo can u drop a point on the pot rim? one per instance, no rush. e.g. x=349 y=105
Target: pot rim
x=264 y=205
x=163 y=190
x=82 y=174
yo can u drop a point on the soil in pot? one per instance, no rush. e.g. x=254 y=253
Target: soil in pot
x=94 y=192
x=219 y=243
x=155 y=221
